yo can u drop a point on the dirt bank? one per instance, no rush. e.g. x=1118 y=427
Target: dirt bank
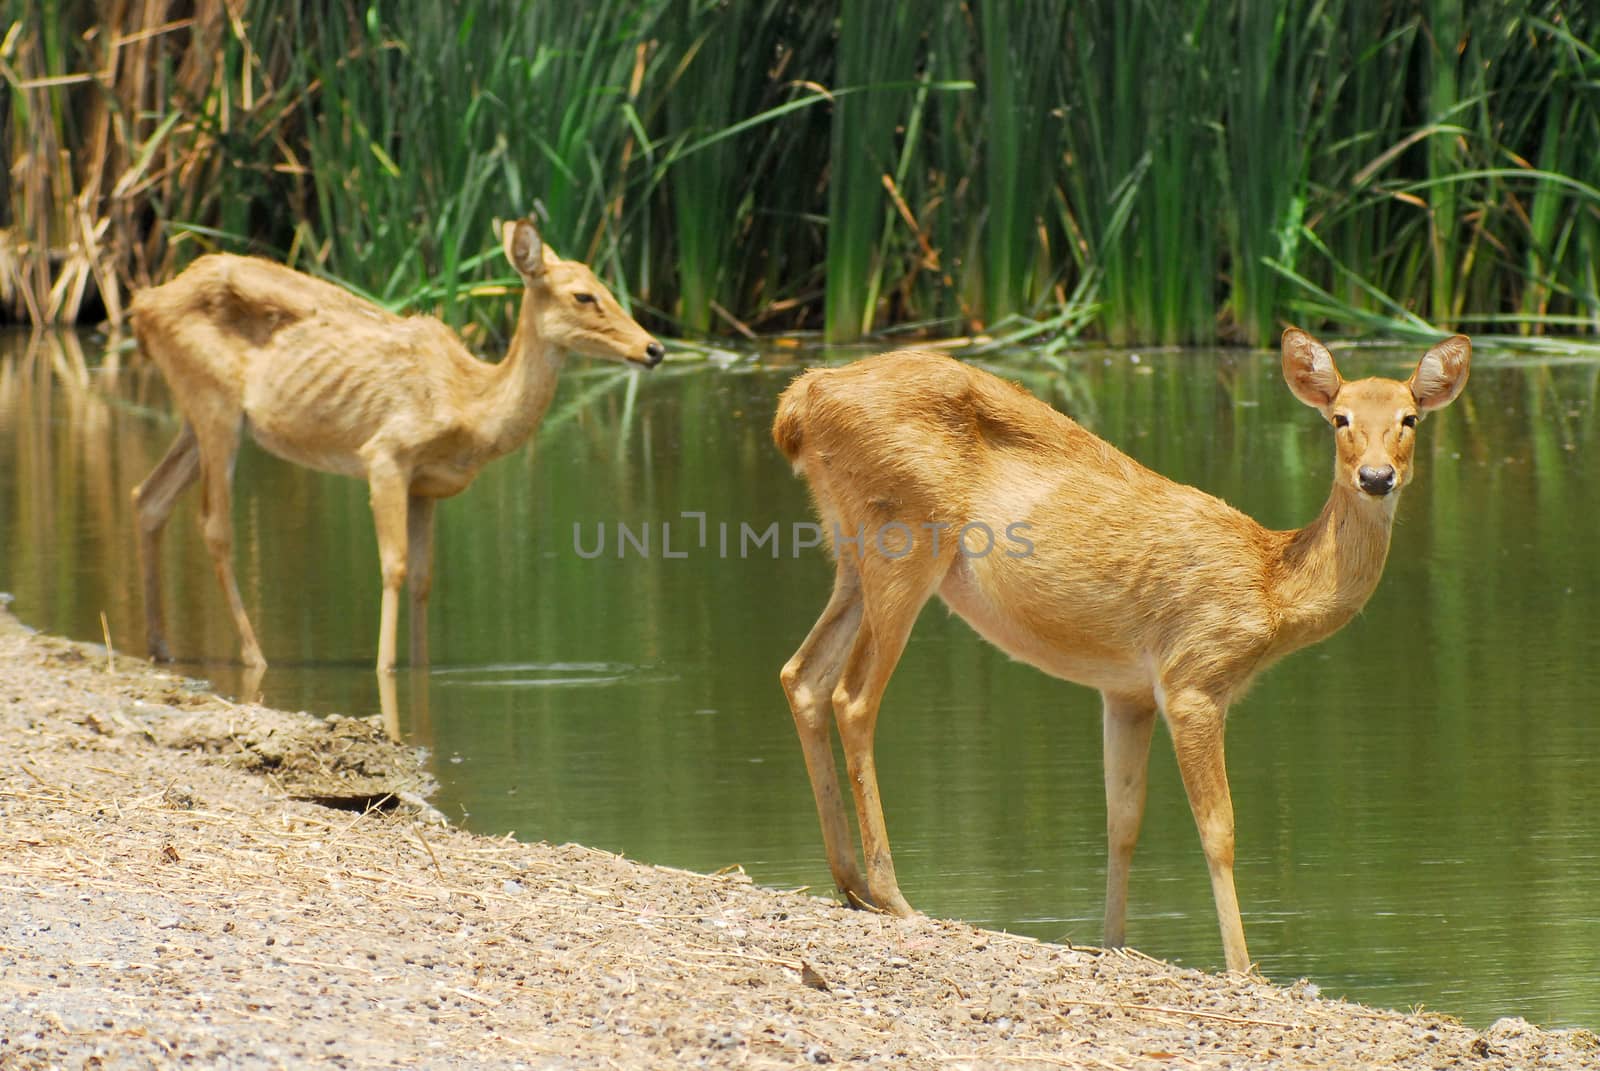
x=171 y=895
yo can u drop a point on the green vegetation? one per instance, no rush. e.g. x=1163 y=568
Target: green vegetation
x=1140 y=171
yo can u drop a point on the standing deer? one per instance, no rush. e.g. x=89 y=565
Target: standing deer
x=330 y=381
x=1155 y=593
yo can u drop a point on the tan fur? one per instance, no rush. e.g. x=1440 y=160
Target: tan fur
x=1155 y=593
x=327 y=380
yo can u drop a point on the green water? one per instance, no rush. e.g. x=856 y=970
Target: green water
x=1418 y=798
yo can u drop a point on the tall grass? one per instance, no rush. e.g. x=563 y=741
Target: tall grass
x=1140 y=171
x=1018 y=43
x=733 y=117
x=1142 y=92
x=1277 y=69
x=876 y=44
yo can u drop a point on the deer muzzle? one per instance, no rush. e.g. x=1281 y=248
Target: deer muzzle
x=1376 y=480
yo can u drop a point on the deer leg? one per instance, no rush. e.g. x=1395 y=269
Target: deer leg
x=893 y=599
x=1128 y=727
x=219 y=446
x=419 y=572
x=809 y=679
x=153 y=501
x=388 y=486
x=1196 y=723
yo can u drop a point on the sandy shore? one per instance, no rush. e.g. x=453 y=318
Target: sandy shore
x=186 y=881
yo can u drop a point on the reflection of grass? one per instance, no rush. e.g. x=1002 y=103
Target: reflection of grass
x=604 y=381
x=1140 y=172
x=64 y=474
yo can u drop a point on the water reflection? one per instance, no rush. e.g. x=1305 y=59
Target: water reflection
x=536 y=675
x=1414 y=796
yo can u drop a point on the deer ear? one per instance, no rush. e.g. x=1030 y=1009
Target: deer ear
x=1309 y=370
x=524 y=248
x=1442 y=373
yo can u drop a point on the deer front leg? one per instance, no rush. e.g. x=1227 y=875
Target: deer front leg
x=879 y=642
x=153 y=501
x=218 y=525
x=419 y=541
x=388 y=486
x=809 y=679
x=1128 y=724
x=1196 y=722
x=218 y=446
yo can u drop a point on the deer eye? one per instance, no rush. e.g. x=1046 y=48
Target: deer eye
x=584 y=299
x=1340 y=420
x=1409 y=420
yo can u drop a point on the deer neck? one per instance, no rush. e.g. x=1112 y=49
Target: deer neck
x=1330 y=568
x=523 y=384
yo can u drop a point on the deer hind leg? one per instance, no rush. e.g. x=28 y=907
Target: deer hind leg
x=389 y=484
x=809 y=679
x=1129 y=724
x=219 y=448
x=419 y=572
x=894 y=592
x=153 y=501
x=1196 y=723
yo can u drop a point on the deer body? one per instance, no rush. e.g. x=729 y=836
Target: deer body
x=1157 y=594
x=329 y=381
x=434 y=405
x=1116 y=592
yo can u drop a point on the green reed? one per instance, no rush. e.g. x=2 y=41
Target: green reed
x=1138 y=171
x=877 y=44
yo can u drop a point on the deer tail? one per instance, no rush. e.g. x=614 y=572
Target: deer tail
x=793 y=410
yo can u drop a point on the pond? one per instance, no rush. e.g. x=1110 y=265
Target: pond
x=1416 y=797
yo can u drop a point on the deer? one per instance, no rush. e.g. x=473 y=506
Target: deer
x=1070 y=556
x=328 y=380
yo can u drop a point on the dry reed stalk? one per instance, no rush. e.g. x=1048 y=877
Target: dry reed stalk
x=100 y=149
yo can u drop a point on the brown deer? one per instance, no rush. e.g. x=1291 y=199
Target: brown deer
x=330 y=381
x=1072 y=557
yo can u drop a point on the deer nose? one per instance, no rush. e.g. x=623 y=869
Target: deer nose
x=654 y=352
x=1376 y=480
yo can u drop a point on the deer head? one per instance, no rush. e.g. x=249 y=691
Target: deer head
x=1374 y=419
x=575 y=311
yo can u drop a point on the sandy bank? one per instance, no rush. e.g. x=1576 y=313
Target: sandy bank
x=172 y=895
